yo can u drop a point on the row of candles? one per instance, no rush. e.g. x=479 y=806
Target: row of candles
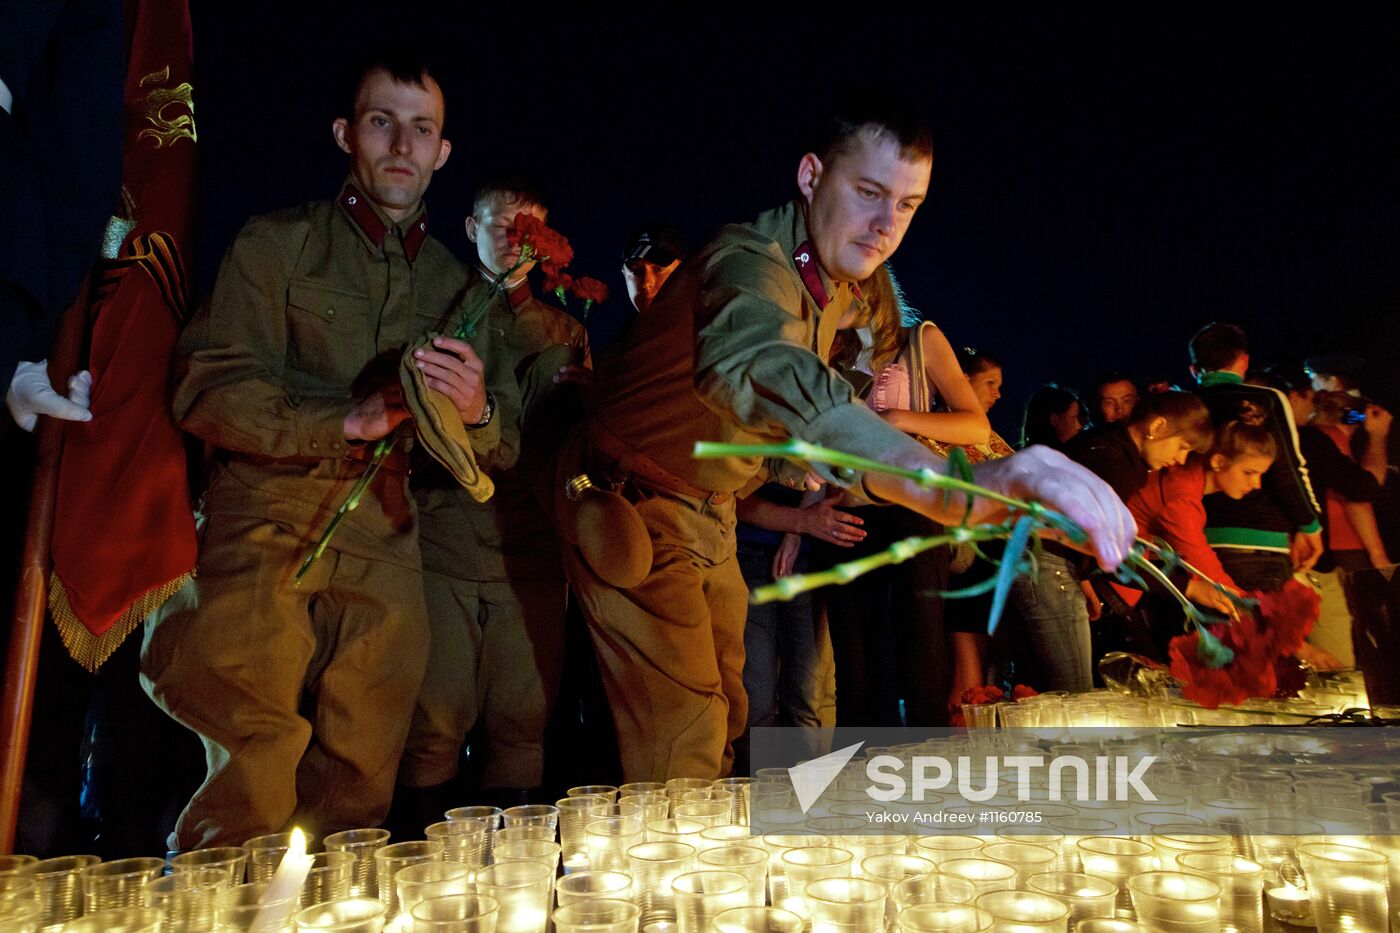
x=681 y=857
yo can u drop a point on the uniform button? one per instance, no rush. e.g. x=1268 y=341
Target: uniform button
x=315 y=446
x=422 y=226
x=352 y=200
x=330 y=312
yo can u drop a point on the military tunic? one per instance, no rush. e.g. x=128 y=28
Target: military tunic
x=494 y=583
x=733 y=350
x=301 y=694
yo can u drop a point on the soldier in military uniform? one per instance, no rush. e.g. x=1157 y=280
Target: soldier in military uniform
x=735 y=350
x=302 y=693
x=492 y=574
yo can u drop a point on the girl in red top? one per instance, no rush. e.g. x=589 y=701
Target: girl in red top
x=1171 y=506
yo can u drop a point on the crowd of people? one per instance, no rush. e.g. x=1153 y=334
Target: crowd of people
x=440 y=608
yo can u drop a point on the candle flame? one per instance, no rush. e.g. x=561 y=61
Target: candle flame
x=298 y=846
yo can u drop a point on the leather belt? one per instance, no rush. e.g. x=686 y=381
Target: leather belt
x=640 y=467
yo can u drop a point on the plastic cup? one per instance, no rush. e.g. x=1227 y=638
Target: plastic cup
x=116 y=920
x=1026 y=858
x=606 y=791
x=534 y=814
x=237 y=909
x=1115 y=860
x=344 y=915
x=686 y=831
x=522 y=891
x=933 y=888
x=1347 y=886
x=584 y=885
x=986 y=874
x=1025 y=911
x=939 y=849
x=111 y=885
x=231 y=860
x=1241 y=888
x=609 y=839
x=427 y=880
x=265 y=854
x=641 y=787
x=944 y=918
x=599 y=915
x=529 y=850
x=394 y=858
x=463 y=841
x=328 y=878
x=708 y=812
x=1175 y=902
x=456 y=913
x=742 y=789
x=653 y=866
x=703 y=895
x=803 y=866
x=575 y=813
x=849 y=905
x=758 y=920
x=361 y=843
x=17 y=864
x=644 y=807
x=749 y=861
x=186 y=900
x=491 y=816
x=1088 y=897
x=60 y=886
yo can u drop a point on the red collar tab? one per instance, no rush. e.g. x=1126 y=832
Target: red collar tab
x=414 y=239
x=360 y=211
x=855 y=290
x=805 y=258
x=519 y=295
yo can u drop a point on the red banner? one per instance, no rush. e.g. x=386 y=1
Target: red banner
x=124 y=535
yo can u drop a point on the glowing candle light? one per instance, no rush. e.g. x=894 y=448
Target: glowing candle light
x=284 y=891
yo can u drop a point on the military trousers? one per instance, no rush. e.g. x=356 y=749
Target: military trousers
x=302 y=695
x=671 y=649
x=496 y=658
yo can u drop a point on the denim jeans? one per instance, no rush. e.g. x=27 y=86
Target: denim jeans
x=788 y=671
x=1256 y=570
x=1057 y=619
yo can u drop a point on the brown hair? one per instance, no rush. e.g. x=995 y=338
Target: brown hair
x=1245 y=437
x=1185 y=414
x=887 y=315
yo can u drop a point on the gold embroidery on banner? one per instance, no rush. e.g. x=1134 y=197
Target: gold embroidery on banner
x=167 y=131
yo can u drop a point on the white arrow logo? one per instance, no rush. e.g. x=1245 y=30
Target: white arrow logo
x=811 y=778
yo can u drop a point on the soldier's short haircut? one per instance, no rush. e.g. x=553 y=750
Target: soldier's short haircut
x=884 y=113
x=1217 y=345
x=511 y=187
x=405 y=64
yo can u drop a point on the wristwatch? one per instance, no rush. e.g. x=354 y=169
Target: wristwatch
x=487 y=411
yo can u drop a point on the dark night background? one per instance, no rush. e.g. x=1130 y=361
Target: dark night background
x=1107 y=178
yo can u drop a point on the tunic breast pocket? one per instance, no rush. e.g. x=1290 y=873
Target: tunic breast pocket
x=328 y=337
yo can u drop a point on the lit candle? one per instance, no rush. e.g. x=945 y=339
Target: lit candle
x=1291 y=904
x=283 y=893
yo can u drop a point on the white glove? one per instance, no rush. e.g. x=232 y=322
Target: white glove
x=31 y=395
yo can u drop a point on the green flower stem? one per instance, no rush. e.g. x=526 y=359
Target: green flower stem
x=897 y=553
x=811 y=453
x=352 y=501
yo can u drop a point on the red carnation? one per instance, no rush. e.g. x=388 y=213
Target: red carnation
x=557 y=281
x=1021 y=692
x=1289 y=614
x=545 y=242
x=590 y=290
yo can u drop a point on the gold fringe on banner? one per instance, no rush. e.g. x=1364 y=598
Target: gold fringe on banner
x=90 y=650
